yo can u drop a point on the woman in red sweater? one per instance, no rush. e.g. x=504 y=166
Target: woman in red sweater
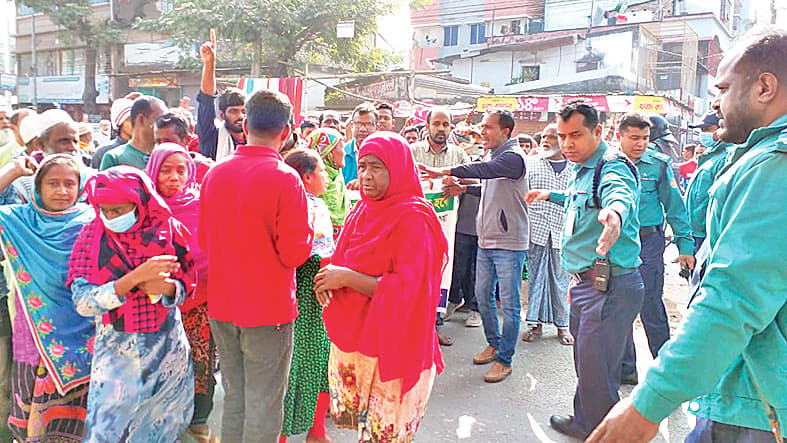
x=381 y=375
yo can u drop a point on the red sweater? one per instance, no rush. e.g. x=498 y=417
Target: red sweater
x=254 y=227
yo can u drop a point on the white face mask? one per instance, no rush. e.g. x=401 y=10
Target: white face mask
x=121 y=223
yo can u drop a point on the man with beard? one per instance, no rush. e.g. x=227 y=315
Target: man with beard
x=731 y=347
x=218 y=139
x=659 y=199
x=8 y=141
x=548 y=282
x=709 y=163
x=144 y=112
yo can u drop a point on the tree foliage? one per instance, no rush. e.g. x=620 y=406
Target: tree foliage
x=79 y=25
x=279 y=34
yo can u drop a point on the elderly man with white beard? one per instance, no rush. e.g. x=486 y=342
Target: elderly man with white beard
x=548 y=284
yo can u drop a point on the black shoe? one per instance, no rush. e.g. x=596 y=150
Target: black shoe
x=565 y=425
x=630 y=379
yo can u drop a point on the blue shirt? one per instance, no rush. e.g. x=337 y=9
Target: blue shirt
x=659 y=195
x=618 y=190
x=734 y=331
x=350 y=169
x=709 y=164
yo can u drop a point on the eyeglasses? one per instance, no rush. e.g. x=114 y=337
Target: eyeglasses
x=367 y=125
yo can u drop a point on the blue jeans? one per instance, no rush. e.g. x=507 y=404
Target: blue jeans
x=503 y=267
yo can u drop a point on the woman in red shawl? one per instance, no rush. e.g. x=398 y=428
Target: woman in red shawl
x=386 y=268
x=173 y=171
x=130 y=268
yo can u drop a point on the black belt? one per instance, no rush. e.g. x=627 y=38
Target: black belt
x=585 y=275
x=650 y=229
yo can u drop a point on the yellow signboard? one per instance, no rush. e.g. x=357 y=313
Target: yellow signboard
x=496 y=103
x=651 y=104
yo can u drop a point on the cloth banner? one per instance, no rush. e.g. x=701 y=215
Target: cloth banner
x=446 y=210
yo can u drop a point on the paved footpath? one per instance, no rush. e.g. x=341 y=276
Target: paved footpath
x=516 y=410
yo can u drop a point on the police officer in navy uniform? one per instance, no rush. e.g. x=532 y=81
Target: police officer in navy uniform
x=600 y=248
x=659 y=199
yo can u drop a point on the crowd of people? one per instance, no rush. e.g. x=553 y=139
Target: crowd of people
x=132 y=269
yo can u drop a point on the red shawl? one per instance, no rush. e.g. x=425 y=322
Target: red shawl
x=185 y=208
x=399 y=239
x=101 y=256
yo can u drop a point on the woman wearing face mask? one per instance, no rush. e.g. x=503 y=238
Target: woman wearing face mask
x=307 y=401
x=130 y=269
x=328 y=143
x=386 y=267
x=52 y=343
x=173 y=171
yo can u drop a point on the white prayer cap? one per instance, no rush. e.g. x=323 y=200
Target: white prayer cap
x=30 y=127
x=53 y=117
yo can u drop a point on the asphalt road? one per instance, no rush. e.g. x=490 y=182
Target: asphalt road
x=517 y=409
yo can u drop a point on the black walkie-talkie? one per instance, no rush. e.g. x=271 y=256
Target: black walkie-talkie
x=601 y=272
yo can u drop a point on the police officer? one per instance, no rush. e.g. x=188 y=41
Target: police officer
x=662 y=140
x=659 y=197
x=709 y=164
x=599 y=223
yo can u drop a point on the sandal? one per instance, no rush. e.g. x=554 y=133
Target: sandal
x=444 y=340
x=203 y=437
x=565 y=337
x=532 y=334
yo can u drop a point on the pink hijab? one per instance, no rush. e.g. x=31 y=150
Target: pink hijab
x=184 y=206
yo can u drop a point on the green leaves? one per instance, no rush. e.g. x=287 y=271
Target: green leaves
x=289 y=32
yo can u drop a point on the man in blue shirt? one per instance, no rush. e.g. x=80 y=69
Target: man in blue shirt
x=728 y=356
x=364 y=123
x=600 y=222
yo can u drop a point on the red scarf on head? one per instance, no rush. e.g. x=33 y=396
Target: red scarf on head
x=101 y=256
x=398 y=238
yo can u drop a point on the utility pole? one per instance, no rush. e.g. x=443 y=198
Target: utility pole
x=33 y=68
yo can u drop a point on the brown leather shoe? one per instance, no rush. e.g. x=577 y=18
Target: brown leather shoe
x=485 y=356
x=498 y=372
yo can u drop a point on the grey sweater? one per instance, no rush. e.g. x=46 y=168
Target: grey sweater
x=502 y=215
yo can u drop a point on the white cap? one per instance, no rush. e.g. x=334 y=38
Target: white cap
x=30 y=127
x=53 y=117
x=120 y=111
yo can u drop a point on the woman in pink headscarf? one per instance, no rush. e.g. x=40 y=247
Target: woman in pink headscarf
x=387 y=267
x=173 y=171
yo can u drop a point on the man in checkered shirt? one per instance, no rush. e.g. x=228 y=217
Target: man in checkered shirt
x=548 y=284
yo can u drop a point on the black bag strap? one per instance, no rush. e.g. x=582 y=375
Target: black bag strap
x=597 y=175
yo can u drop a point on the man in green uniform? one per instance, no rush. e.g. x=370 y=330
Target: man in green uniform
x=709 y=163
x=659 y=198
x=144 y=112
x=600 y=222
x=730 y=350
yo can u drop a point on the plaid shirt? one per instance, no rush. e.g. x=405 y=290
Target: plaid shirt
x=546 y=218
x=450 y=155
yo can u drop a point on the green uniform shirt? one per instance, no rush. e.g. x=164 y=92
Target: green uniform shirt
x=125 y=155
x=709 y=163
x=618 y=190
x=734 y=332
x=659 y=195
